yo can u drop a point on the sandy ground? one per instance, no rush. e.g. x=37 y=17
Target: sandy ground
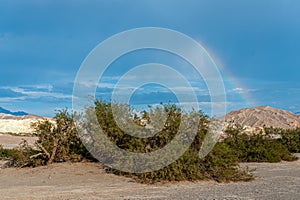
x=89 y=181
x=9 y=141
x=85 y=181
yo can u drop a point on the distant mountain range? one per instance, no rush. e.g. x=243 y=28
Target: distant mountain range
x=18 y=113
x=264 y=116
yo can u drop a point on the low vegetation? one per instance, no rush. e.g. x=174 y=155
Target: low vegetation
x=219 y=165
x=290 y=138
x=257 y=147
x=59 y=142
x=18 y=157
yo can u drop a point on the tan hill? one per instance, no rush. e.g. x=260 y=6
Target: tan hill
x=264 y=116
x=18 y=124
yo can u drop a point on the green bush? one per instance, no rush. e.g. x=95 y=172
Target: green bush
x=291 y=139
x=18 y=157
x=5 y=153
x=58 y=141
x=256 y=148
x=220 y=165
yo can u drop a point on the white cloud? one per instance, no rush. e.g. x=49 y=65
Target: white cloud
x=34 y=92
x=47 y=87
x=240 y=90
x=10 y=99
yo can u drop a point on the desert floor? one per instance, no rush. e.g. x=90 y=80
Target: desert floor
x=10 y=141
x=89 y=181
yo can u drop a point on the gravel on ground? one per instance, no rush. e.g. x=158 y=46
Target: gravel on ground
x=86 y=181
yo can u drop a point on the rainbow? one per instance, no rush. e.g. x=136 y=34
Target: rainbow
x=232 y=83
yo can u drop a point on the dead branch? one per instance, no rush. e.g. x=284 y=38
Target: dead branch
x=44 y=150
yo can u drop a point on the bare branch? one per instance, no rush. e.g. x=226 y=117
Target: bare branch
x=36 y=155
x=55 y=146
x=43 y=149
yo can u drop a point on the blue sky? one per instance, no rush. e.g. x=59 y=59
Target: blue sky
x=256 y=45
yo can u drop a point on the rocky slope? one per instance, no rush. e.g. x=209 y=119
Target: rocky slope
x=264 y=116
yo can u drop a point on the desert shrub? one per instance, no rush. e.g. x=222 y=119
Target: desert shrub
x=130 y=143
x=220 y=165
x=256 y=147
x=58 y=140
x=291 y=139
x=20 y=156
x=5 y=153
